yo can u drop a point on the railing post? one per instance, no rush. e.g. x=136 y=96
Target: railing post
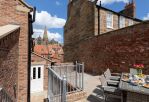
x=76 y=74
x=83 y=75
x=64 y=89
x=49 y=86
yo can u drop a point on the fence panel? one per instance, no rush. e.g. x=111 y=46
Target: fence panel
x=63 y=80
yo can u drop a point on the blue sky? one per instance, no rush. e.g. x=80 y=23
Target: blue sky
x=53 y=14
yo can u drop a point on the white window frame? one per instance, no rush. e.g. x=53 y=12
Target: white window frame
x=109 y=18
x=130 y=22
x=122 y=23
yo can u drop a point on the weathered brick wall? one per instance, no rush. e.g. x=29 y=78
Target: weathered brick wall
x=117 y=50
x=9 y=15
x=79 y=24
x=9 y=62
x=82 y=23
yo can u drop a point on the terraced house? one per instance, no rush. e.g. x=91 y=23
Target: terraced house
x=15 y=32
x=103 y=38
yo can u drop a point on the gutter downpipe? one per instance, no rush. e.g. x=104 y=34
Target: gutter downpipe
x=98 y=8
x=30 y=33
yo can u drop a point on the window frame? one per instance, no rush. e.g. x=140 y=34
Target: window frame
x=130 y=22
x=122 y=22
x=109 y=20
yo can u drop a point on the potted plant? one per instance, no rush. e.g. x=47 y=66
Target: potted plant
x=139 y=68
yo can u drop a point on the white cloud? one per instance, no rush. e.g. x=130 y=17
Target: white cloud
x=146 y=17
x=56 y=36
x=44 y=18
x=110 y=1
x=58 y=3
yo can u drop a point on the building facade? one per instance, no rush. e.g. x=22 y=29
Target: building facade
x=86 y=19
x=99 y=36
x=14 y=48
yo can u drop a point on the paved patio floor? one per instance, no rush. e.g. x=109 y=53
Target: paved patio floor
x=38 y=96
x=91 y=83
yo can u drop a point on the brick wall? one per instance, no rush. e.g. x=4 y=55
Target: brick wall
x=9 y=63
x=9 y=15
x=79 y=23
x=77 y=97
x=117 y=50
x=82 y=23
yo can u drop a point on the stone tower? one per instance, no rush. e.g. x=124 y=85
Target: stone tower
x=45 y=37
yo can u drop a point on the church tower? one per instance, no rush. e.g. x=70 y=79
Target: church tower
x=45 y=36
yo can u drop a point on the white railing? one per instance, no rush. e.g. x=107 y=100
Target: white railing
x=63 y=80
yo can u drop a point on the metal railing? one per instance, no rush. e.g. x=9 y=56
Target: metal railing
x=4 y=97
x=63 y=80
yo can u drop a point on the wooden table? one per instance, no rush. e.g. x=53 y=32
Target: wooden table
x=133 y=93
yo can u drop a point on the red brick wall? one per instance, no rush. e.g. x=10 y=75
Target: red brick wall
x=82 y=23
x=9 y=62
x=9 y=15
x=117 y=50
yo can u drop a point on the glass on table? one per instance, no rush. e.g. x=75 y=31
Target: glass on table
x=147 y=79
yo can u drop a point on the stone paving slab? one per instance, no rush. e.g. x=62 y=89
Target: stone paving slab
x=38 y=96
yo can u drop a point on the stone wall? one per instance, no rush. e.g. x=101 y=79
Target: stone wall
x=117 y=50
x=9 y=14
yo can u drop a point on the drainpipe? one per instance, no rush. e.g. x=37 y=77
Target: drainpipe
x=98 y=8
x=30 y=33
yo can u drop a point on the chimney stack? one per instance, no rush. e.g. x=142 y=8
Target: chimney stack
x=130 y=9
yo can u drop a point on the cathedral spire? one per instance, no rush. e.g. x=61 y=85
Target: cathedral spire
x=45 y=36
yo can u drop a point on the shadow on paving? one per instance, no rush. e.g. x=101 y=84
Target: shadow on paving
x=98 y=96
x=93 y=98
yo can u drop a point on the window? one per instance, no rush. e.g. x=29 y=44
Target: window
x=34 y=73
x=121 y=22
x=39 y=72
x=130 y=22
x=109 y=20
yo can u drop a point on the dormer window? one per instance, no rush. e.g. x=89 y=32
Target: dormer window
x=122 y=22
x=109 y=20
x=130 y=22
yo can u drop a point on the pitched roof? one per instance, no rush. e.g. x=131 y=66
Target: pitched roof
x=118 y=13
x=48 y=49
x=7 y=29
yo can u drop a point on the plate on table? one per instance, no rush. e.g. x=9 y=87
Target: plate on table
x=135 y=83
x=146 y=85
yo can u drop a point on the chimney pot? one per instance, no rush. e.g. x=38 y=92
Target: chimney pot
x=130 y=9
